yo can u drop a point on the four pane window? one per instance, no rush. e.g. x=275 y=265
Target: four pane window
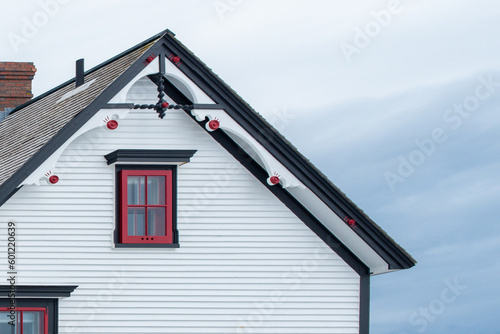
x=146 y=206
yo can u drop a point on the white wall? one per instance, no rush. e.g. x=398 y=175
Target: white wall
x=246 y=264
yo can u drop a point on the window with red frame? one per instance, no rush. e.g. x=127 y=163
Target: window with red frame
x=146 y=206
x=27 y=320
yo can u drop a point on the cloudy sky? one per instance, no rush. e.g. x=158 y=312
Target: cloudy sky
x=396 y=101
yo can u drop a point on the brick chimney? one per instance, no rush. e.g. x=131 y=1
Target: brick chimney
x=15 y=84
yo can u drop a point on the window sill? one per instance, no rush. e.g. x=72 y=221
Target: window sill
x=147 y=246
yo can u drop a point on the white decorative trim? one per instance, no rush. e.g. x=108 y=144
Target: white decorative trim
x=152 y=68
x=270 y=164
x=48 y=167
x=198 y=95
x=171 y=71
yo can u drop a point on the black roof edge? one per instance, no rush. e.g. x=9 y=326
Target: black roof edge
x=284 y=152
x=95 y=68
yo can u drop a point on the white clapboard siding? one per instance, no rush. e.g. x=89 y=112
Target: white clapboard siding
x=246 y=264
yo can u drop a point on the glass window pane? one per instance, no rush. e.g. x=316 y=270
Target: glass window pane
x=136 y=193
x=4 y=323
x=136 y=221
x=33 y=322
x=156 y=190
x=156 y=221
x=19 y=325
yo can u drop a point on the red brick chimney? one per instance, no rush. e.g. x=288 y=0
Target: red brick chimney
x=15 y=84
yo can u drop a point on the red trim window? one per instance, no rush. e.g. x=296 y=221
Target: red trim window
x=28 y=320
x=146 y=206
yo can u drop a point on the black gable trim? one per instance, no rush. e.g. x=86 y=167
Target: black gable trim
x=289 y=157
x=149 y=156
x=46 y=291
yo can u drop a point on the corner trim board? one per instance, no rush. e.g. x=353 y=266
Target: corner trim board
x=364 y=304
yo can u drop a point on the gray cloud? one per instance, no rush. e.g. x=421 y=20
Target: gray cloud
x=353 y=120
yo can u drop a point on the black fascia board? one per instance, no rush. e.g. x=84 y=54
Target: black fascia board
x=284 y=153
x=9 y=192
x=127 y=155
x=8 y=188
x=57 y=291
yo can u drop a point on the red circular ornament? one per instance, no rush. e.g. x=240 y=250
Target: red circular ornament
x=165 y=105
x=176 y=59
x=351 y=222
x=112 y=124
x=214 y=124
x=274 y=180
x=150 y=59
x=54 y=179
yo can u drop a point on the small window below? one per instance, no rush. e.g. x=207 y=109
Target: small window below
x=24 y=320
x=35 y=310
x=146 y=196
x=146 y=206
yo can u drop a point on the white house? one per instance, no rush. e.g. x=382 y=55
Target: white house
x=145 y=196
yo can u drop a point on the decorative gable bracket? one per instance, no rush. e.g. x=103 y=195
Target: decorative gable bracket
x=47 y=173
x=219 y=119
